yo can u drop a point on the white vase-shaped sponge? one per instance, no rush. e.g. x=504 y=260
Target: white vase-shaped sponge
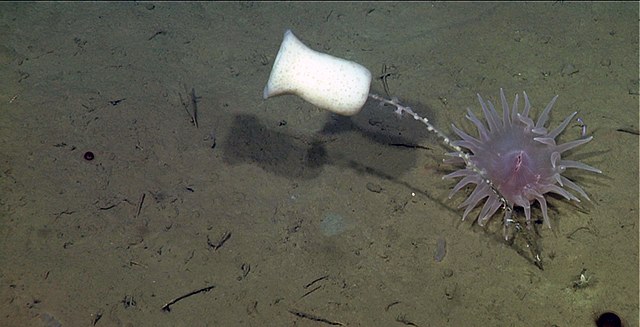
x=331 y=83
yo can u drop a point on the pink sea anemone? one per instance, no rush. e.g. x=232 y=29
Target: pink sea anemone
x=521 y=159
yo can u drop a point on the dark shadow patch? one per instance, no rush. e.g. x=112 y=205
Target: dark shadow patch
x=251 y=142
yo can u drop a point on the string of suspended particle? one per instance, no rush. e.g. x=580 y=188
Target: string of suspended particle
x=400 y=109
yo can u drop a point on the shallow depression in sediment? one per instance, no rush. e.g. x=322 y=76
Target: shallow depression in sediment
x=332 y=224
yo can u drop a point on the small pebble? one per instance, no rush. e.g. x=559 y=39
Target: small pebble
x=375 y=188
x=605 y=62
x=449 y=292
x=441 y=251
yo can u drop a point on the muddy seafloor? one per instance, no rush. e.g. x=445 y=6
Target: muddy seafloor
x=297 y=216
